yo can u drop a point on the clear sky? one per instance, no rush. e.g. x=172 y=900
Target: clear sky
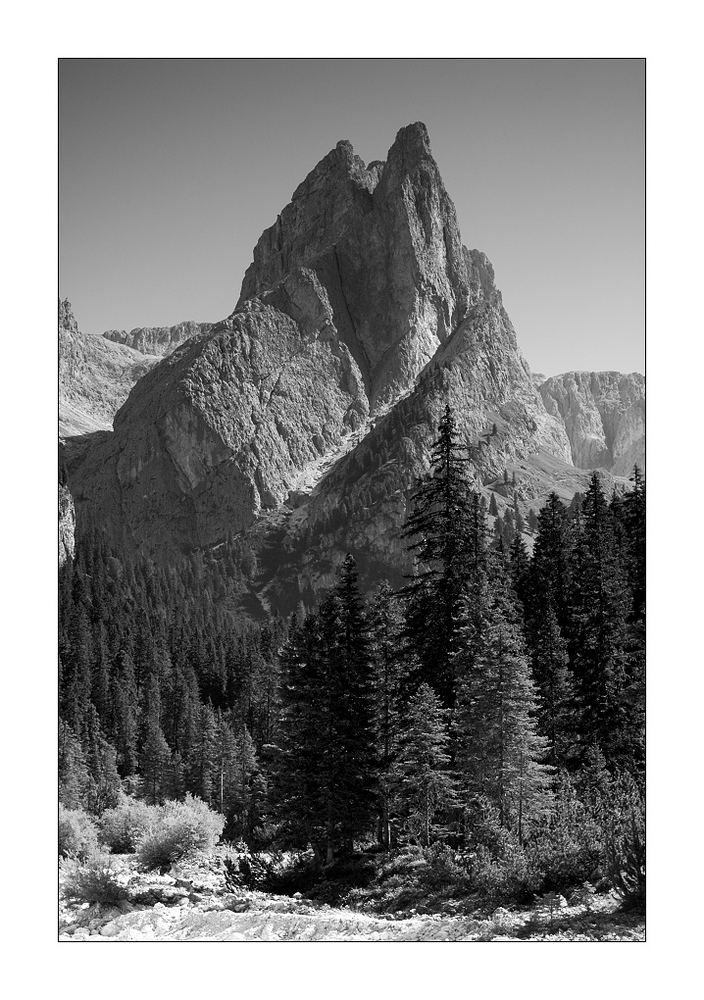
x=169 y=171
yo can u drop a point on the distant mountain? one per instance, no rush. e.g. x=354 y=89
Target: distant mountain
x=300 y=421
x=158 y=340
x=95 y=376
x=604 y=417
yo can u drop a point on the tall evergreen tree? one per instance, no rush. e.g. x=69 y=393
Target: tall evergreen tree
x=436 y=530
x=390 y=672
x=599 y=632
x=500 y=754
x=551 y=672
x=301 y=736
x=74 y=779
x=350 y=787
x=155 y=755
x=423 y=783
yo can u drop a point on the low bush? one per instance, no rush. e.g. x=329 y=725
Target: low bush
x=499 y=868
x=122 y=828
x=625 y=842
x=180 y=830
x=78 y=834
x=569 y=848
x=511 y=877
x=426 y=879
x=247 y=870
x=93 y=881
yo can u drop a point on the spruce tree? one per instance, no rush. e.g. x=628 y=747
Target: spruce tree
x=422 y=781
x=390 y=672
x=350 y=788
x=301 y=740
x=599 y=633
x=500 y=754
x=551 y=563
x=74 y=779
x=155 y=754
x=550 y=665
x=104 y=781
x=124 y=704
x=436 y=530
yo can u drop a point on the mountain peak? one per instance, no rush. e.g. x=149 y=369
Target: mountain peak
x=360 y=314
x=413 y=138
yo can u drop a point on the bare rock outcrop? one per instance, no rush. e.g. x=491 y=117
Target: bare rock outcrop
x=95 y=376
x=604 y=416
x=158 y=340
x=67 y=525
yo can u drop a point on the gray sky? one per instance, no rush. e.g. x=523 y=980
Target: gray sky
x=170 y=170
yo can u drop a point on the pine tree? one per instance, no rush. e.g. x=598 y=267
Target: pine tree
x=437 y=532
x=423 y=783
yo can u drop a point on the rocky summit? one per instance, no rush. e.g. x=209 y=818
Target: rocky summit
x=604 y=417
x=302 y=419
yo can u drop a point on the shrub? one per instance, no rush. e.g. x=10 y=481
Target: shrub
x=78 y=834
x=244 y=869
x=511 y=877
x=180 y=830
x=548 y=906
x=94 y=881
x=569 y=847
x=625 y=842
x=499 y=868
x=122 y=828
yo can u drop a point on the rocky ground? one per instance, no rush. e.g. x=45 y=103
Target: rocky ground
x=191 y=903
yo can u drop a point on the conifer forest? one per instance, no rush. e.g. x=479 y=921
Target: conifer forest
x=474 y=734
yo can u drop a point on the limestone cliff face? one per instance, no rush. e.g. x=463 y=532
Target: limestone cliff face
x=95 y=376
x=604 y=417
x=67 y=525
x=385 y=243
x=317 y=400
x=158 y=340
x=219 y=430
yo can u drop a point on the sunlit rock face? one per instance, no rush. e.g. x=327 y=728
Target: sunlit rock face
x=604 y=416
x=67 y=525
x=95 y=376
x=158 y=340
